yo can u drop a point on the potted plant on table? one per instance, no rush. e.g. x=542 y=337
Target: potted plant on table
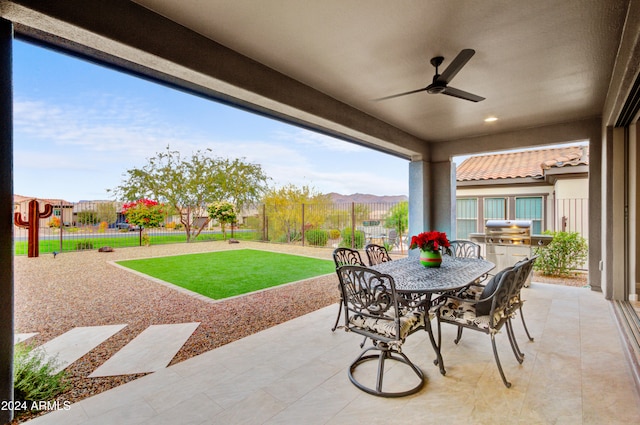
x=431 y=245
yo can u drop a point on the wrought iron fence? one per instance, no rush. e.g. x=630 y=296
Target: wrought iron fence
x=90 y=226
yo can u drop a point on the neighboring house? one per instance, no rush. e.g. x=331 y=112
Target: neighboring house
x=547 y=186
x=61 y=209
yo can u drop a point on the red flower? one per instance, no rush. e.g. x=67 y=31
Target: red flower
x=430 y=241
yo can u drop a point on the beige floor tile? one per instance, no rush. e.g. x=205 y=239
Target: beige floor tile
x=296 y=372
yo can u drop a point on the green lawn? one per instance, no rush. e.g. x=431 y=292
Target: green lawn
x=224 y=274
x=77 y=241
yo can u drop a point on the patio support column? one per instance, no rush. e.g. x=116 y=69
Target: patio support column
x=419 y=197
x=6 y=218
x=443 y=193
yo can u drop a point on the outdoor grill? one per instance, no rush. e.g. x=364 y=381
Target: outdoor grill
x=509 y=241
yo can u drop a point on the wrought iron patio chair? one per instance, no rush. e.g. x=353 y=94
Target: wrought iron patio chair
x=526 y=266
x=392 y=238
x=487 y=314
x=475 y=291
x=342 y=257
x=376 y=254
x=464 y=248
x=373 y=309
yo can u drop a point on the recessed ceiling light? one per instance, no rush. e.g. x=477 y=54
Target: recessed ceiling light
x=490 y=119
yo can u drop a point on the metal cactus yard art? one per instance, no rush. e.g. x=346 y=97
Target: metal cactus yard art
x=32 y=224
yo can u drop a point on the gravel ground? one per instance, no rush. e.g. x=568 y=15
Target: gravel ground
x=53 y=296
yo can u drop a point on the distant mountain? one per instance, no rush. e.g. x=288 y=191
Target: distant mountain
x=365 y=198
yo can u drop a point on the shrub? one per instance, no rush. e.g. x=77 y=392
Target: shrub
x=103 y=226
x=316 y=237
x=34 y=379
x=564 y=254
x=86 y=244
x=294 y=236
x=171 y=225
x=358 y=239
x=334 y=234
x=54 y=222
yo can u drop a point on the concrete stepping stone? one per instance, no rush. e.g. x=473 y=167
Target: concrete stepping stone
x=150 y=351
x=18 y=338
x=75 y=343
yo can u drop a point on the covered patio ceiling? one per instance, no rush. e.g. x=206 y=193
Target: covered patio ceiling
x=323 y=64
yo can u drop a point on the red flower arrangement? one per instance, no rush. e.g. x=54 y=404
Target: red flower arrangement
x=430 y=241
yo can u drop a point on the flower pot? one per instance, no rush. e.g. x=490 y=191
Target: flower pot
x=430 y=258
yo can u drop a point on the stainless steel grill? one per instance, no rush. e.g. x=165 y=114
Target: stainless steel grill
x=509 y=241
x=508 y=232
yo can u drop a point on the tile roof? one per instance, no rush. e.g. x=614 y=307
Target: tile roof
x=17 y=199
x=531 y=163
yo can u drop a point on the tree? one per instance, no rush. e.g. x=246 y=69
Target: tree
x=224 y=212
x=106 y=211
x=284 y=208
x=398 y=219
x=145 y=213
x=188 y=185
x=87 y=217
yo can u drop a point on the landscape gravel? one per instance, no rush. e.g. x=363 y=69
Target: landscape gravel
x=56 y=294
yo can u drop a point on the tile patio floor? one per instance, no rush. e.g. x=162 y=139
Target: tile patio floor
x=296 y=373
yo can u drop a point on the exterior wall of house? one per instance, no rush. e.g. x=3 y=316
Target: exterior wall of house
x=571 y=211
x=510 y=192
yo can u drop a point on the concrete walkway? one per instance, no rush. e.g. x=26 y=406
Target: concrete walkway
x=296 y=373
x=150 y=351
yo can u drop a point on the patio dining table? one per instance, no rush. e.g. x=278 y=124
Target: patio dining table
x=417 y=283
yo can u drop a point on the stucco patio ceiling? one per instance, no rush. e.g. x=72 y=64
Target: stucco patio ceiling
x=323 y=64
x=536 y=63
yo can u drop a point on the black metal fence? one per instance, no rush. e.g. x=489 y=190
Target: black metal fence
x=90 y=226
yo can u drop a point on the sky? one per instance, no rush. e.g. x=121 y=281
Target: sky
x=79 y=126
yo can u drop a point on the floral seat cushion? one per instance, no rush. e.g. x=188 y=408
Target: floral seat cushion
x=465 y=313
x=409 y=321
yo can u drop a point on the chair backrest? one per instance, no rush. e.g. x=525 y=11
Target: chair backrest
x=347 y=256
x=501 y=298
x=392 y=237
x=376 y=254
x=369 y=296
x=490 y=291
x=523 y=267
x=465 y=249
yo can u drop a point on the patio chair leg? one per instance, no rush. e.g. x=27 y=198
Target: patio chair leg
x=525 y=325
x=495 y=354
x=335 y=326
x=514 y=342
x=383 y=355
x=459 y=336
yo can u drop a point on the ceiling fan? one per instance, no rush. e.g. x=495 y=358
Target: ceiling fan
x=441 y=81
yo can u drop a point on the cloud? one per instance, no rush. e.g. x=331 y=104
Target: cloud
x=99 y=143
x=309 y=138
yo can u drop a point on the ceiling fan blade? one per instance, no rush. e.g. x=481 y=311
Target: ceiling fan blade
x=450 y=91
x=400 y=94
x=456 y=65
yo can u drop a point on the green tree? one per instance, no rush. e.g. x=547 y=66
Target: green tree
x=284 y=208
x=189 y=185
x=224 y=212
x=87 y=217
x=398 y=219
x=106 y=211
